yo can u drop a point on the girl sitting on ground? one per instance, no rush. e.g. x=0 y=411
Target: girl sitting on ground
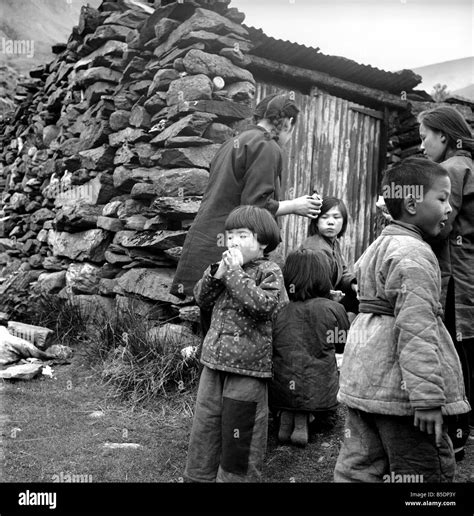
x=307 y=333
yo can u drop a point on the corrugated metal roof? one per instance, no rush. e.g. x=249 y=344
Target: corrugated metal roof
x=459 y=99
x=291 y=53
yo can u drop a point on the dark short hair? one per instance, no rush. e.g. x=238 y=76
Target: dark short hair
x=409 y=173
x=328 y=204
x=307 y=274
x=280 y=107
x=259 y=221
x=261 y=107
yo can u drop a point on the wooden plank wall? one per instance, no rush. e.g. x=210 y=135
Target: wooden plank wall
x=335 y=148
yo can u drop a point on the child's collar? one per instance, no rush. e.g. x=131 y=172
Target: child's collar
x=406 y=225
x=256 y=261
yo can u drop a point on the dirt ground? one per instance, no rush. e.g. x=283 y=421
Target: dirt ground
x=55 y=429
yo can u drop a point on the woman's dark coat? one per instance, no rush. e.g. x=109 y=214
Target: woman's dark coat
x=245 y=171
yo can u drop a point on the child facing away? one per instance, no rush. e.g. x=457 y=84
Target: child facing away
x=324 y=232
x=401 y=377
x=307 y=333
x=229 y=432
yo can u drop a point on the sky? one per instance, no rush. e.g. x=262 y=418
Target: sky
x=388 y=34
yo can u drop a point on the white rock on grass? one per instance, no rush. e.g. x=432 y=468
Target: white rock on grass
x=96 y=414
x=121 y=446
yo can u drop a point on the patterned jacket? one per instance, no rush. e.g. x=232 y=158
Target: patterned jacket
x=243 y=301
x=399 y=355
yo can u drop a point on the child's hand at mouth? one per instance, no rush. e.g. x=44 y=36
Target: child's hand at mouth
x=233 y=258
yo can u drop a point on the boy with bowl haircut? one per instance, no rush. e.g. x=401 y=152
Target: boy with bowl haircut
x=401 y=377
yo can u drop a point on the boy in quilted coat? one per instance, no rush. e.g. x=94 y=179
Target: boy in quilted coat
x=401 y=377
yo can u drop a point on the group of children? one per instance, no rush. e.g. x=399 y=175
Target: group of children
x=274 y=334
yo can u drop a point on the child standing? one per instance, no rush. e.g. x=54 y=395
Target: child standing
x=324 y=232
x=229 y=432
x=447 y=139
x=307 y=333
x=401 y=377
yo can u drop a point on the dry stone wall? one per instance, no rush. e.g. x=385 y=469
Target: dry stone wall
x=106 y=159
x=404 y=137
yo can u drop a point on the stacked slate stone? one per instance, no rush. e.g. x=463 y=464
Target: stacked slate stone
x=11 y=90
x=108 y=160
x=404 y=137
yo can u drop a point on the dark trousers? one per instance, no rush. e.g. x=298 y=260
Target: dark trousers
x=385 y=448
x=229 y=433
x=458 y=428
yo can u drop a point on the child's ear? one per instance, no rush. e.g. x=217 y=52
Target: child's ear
x=409 y=203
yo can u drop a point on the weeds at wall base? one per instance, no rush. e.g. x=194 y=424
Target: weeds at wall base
x=136 y=366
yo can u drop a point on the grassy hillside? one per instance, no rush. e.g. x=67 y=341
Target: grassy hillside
x=456 y=74
x=42 y=22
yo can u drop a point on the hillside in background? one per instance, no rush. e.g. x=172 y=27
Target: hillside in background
x=43 y=22
x=46 y=22
x=457 y=74
x=467 y=92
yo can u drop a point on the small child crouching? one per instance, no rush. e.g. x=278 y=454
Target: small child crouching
x=229 y=432
x=306 y=337
x=401 y=377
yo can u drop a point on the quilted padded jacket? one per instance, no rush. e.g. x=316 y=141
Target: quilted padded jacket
x=399 y=355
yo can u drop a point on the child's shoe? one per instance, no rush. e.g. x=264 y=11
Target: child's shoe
x=286 y=426
x=300 y=432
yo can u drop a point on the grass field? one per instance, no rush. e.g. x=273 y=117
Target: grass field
x=55 y=427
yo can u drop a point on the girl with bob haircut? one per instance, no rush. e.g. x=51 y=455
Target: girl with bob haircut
x=306 y=335
x=242 y=291
x=446 y=139
x=323 y=234
x=259 y=222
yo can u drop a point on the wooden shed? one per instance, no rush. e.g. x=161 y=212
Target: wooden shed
x=340 y=142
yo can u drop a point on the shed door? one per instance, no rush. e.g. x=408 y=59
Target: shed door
x=335 y=148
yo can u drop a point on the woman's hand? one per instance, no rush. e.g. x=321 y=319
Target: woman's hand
x=307 y=206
